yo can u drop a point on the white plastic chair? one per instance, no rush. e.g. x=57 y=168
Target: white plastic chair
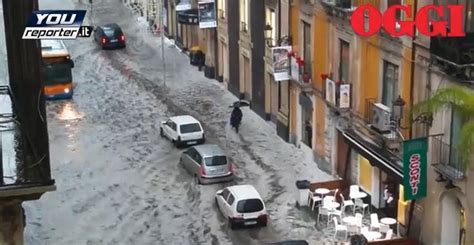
x=315 y=200
x=346 y=203
x=359 y=218
x=338 y=228
x=389 y=234
x=374 y=221
x=360 y=204
x=353 y=189
x=336 y=212
x=384 y=228
x=324 y=212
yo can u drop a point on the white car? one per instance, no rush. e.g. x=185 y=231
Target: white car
x=182 y=130
x=242 y=206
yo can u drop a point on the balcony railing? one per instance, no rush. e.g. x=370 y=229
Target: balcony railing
x=455 y=55
x=445 y=159
x=243 y=26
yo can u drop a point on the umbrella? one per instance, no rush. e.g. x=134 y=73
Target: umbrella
x=240 y=103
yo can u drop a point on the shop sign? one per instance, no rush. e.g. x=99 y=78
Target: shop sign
x=183 y=5
x=281 y=63
x=415 y=168
x=207 y=14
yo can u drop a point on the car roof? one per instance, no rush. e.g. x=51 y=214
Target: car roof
x=244 y=192
x=209 y=150
x=184 y=119
x=111 y=26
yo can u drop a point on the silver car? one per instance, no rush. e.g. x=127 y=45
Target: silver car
x=208 y=164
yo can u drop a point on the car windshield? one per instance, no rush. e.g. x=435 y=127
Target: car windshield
x=190 y=128
x=57 y=72
x=215 y=161
x=249 y=206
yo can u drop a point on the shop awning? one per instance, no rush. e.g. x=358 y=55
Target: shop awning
x=376 y=155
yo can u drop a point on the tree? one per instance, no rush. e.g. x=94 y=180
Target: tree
x=460 y=99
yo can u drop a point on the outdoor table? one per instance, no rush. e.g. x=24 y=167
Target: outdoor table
x=373 y=235
x=358 y=195
x=351 y=220
x=322 y=191
x=389 y=222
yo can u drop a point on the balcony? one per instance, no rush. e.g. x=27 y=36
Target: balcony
x=455 y=55
x=445 y=159
x=379 y=121
x=338 y=8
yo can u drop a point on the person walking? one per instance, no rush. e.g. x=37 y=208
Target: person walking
x=236 y=118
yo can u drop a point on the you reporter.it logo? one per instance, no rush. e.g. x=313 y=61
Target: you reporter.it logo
x=388 y=20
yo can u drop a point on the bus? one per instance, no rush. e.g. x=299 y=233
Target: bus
x=56 y=70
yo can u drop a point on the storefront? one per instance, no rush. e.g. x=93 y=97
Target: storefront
x=187 y=28
x=378 y=172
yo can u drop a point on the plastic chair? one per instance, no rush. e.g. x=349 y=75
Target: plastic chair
x=353 y=189
x=360 y=204
x=374 y=221
x=339 y=227
x=324 y=212
x=359 y=218
x=336 y=212
x=315 y=199
x=384 y=228
x=389 y=234
x=346 y=203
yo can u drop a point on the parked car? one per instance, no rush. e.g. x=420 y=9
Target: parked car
x=182 y=130
x=109 y=36
x=207 y=164
x=242 y=206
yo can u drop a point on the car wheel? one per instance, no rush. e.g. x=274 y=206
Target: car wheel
x=161 y=132
x=197 y=181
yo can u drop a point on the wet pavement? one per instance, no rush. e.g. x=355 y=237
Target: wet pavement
x=119 y=182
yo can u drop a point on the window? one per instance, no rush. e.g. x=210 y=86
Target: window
x=390 y=83
x=395 y=2
x=283 y=91
x=192 y=153
x=271 y=21
x=344 y=61
x=190 y=128
x=221 y=5
x=215 y=161
x=244 y=15
x=249 y=206
x=307 y=48
x=231 y=199
x=225 y=193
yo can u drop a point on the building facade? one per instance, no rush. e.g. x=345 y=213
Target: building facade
x=449 y=205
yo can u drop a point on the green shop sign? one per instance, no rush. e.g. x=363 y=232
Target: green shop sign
x=415 y=168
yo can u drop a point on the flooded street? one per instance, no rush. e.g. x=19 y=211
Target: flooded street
x=118 y=182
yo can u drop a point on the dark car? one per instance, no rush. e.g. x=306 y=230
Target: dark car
x=109 y=36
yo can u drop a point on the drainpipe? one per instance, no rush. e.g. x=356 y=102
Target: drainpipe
x=279 y=20
x=412 y=88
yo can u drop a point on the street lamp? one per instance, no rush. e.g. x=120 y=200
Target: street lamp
x=268 y=35
x=398 y=106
